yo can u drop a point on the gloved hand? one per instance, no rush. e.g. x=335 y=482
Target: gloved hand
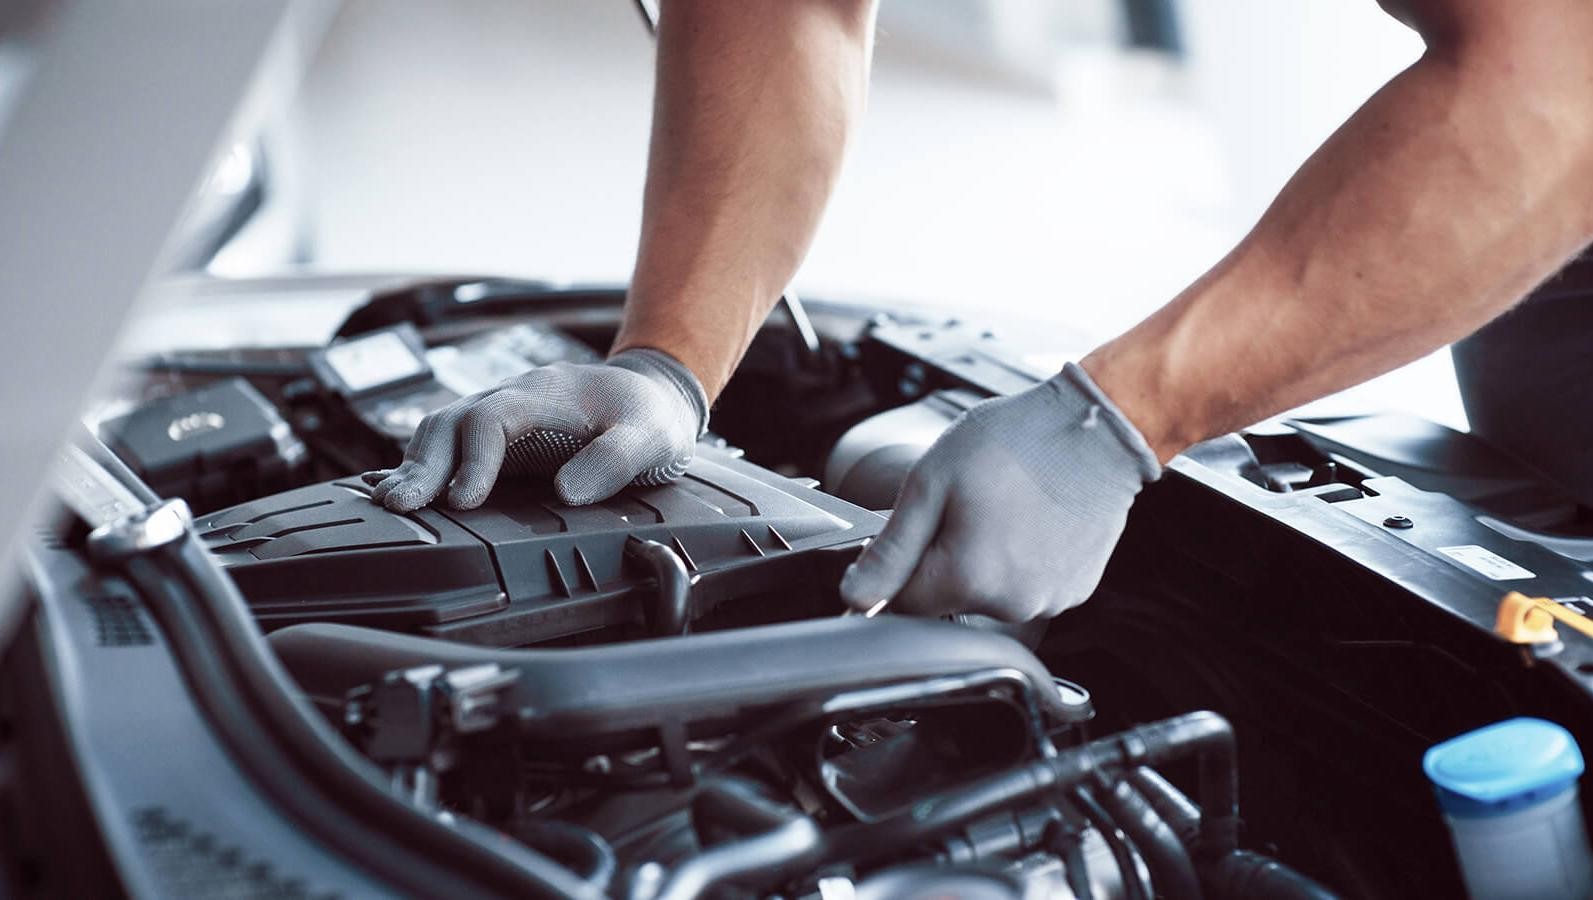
x=1014 y=511
x=635 y=419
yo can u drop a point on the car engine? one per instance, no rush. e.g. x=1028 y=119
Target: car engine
x=659 y=695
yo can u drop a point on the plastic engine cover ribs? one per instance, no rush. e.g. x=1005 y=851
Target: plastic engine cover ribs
x=526 y=568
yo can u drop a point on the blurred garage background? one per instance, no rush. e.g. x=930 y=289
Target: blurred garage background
x=1072 y=161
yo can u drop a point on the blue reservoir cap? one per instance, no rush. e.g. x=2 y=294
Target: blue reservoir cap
x=1503 y=767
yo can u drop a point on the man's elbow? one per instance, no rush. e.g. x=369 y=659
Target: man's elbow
x=1535 y=52
x=1554 y=30
x=1530 y=62
x=856 y=16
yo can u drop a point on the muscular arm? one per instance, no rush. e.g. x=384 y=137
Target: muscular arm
x=1444 y=200
x=754 y=103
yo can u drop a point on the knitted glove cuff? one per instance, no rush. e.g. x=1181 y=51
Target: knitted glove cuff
x=658 y=364
x=1102 y=409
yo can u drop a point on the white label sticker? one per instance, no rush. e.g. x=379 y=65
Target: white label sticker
x=1486 y=562
x=373 y=361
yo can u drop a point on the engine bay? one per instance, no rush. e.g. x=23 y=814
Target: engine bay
x=660 y=696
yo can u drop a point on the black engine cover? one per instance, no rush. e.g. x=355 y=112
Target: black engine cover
x=524 y=567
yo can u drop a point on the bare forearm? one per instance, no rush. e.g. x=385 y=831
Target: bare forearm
x=1445 y=199
x=753 y=108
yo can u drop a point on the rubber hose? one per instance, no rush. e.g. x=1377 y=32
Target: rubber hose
x=1170 y=803
x=1124 y=853
x=1242 y=875
x=1239 y=874
x=1172 y=873
x=578 y=849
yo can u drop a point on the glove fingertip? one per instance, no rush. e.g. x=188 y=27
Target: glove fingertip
x=862 y=586
x=405 y=498
x=383 y=488
x=572 y=493
x=466 y=498
x=582 y=481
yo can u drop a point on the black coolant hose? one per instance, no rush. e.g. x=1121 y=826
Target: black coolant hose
x=1211 y=737
x=1242 y=875
x=779 y=839
x=578 y=849
x=1172 y=872
x=1169 y=802
x=296 y=760
x=670 y=612
x=1237 y=875
x=1204 y=734
x=736 y=805
x=1124 y=854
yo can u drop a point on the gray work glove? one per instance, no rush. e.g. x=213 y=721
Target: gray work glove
x=594 y=427
x=1014 y=510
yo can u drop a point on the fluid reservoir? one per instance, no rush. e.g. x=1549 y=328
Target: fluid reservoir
x=1509 y=793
